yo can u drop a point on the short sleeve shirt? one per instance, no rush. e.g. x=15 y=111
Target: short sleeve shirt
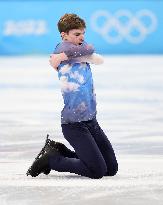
x=77 y=91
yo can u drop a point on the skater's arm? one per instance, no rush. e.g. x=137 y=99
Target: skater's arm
x=94 y=59
x=73 y=51
x=56 y=59
x=67 y=51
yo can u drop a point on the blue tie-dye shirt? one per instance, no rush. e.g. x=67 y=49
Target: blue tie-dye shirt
x=76 y=84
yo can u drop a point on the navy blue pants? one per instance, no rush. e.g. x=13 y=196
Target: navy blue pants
x=94 y=156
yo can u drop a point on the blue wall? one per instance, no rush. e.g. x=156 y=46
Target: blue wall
x=114 y=27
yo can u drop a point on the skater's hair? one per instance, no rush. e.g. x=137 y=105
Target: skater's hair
x=69 y=22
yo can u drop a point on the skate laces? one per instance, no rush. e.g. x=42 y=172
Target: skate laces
x=44 y=149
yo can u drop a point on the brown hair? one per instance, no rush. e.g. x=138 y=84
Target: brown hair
x=69 y=22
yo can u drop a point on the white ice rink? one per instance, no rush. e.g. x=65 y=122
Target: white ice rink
x=130 y=110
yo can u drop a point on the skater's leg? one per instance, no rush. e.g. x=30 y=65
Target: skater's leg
x=90 y=163
x=104 y=146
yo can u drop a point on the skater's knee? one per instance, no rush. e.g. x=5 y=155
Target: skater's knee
x=99 y=172
x=112 y=171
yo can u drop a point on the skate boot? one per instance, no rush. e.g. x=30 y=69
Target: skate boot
x=42 y=163
x=60 y=147
x=64 y=151
x=44 y=150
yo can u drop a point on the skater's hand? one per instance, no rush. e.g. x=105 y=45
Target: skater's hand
x=56 y=59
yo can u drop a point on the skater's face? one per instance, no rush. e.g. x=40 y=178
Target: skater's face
x=75 y=36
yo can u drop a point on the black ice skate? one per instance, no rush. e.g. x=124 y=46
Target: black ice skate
x=46 y=170
x=42 y=163
x=53 y=146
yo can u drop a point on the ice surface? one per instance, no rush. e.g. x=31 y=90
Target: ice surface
x=130 y=110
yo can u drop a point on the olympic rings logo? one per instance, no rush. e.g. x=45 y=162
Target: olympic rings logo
x=124 y=25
